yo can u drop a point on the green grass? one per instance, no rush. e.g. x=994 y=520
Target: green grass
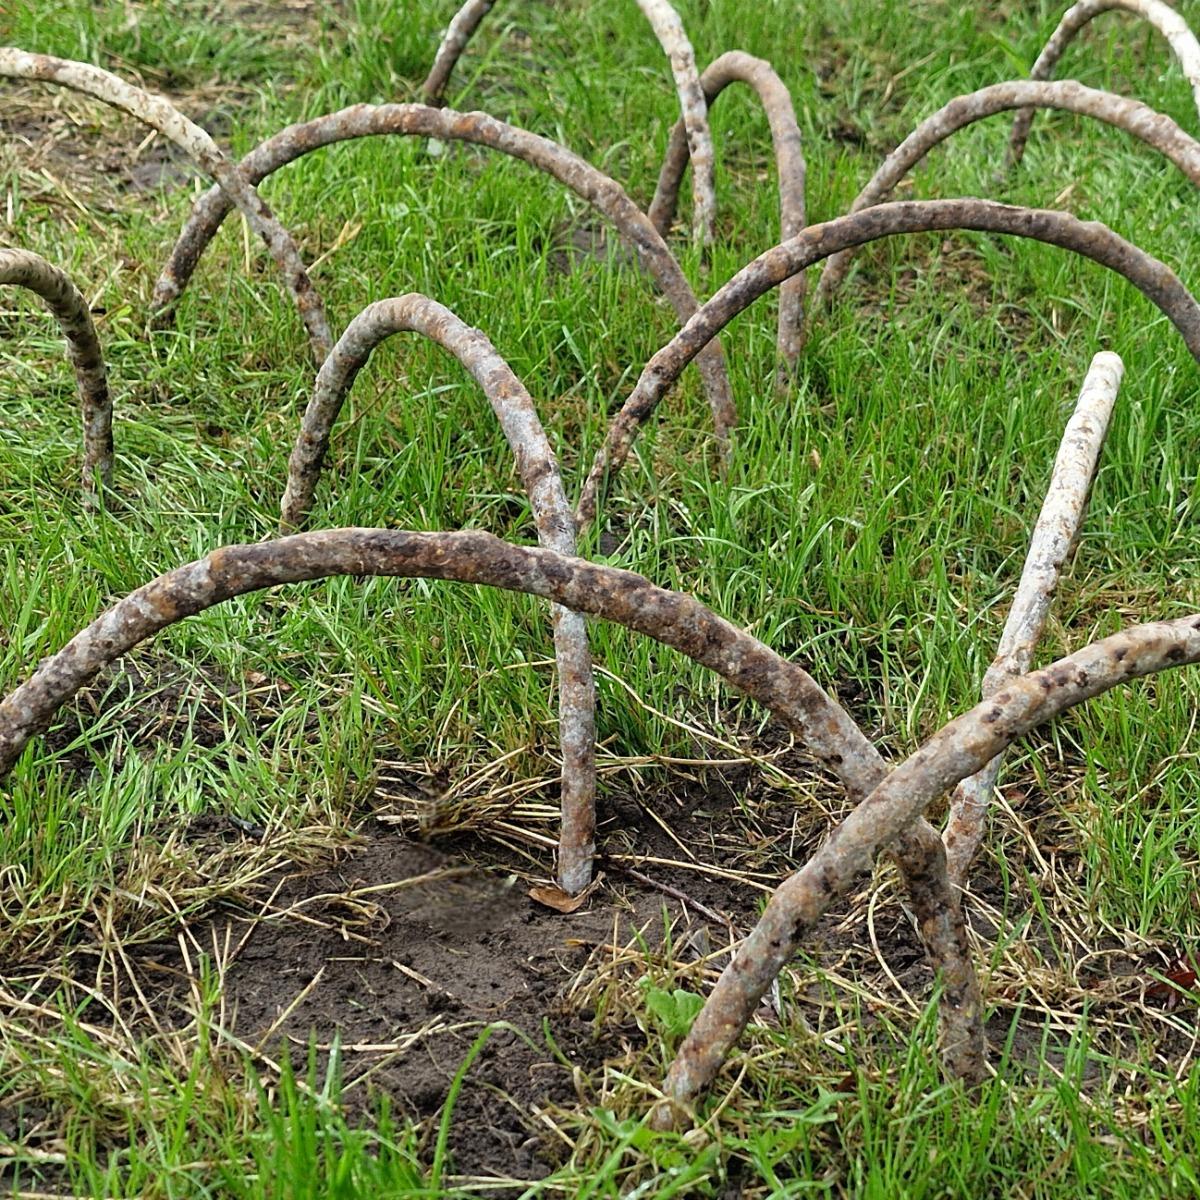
x=872 y=523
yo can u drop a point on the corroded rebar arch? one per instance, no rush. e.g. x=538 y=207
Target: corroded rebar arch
x=201 y=149
x=1153 y=128
x=367 y=120
x=23 y=268
x=957 y=750
x=537 y=465
x=1091 y=239
x=758 y=74
x=1162 y=17
x=674 y=619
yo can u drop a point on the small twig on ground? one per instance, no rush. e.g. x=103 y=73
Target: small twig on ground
x=668 y=28
x=1053 y=536
x=674 y=892
x=1090 y=239
x=538 y=468
x=25 y=269
x=1161 y=16
x=757 y=73
x=1154 y=128
x=201 y=149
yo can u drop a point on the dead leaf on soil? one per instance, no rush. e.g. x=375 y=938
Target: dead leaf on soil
x=563 y=902
x=1177 y=985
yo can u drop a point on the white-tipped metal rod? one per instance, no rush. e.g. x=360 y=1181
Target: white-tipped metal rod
x=25 y=269
x=202 y=150
x=537 y=466
x=668 y=28
x=1162 y=17
x=454 y=41
x=1053 y=536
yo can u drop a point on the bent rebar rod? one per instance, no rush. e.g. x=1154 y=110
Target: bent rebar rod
x=454 y=41
x=201 y=149
x=1154 y=128
x=538 y=469
x=1161 y=16
x=668 y=28
x=1091 y=239
x=758 y=74
x=25 y=269
x=366 y=120
x=957 y=750
x=1053 y=536
x=672 y=618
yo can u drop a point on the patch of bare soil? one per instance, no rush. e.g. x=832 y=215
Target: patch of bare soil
x=402 y=949
x=398 y=950
x=77 y=153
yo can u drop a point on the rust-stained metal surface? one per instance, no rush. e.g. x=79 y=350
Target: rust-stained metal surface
x=672 y=37
x=1091 y=239
x=739 y=67
x=1161 y=16
x=454 y=41
x=957 y=750
x=1053 y=536
x=201 y=149
x=368 y=120
x=538 y=468
x=23 y=268
x=1137 y=119
x=673 y=618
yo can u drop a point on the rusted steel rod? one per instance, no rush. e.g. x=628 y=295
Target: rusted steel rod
x=1154 y=128
x=538 y=468
x=1090 y=239
x=202 y=150
x=1161 y=16
x=672 y=618
x=957 y=750
x=28 y=270
x=1053 y=536
x=454 y=41
x=757 y=73
x=366 y=120
x=668 y=28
